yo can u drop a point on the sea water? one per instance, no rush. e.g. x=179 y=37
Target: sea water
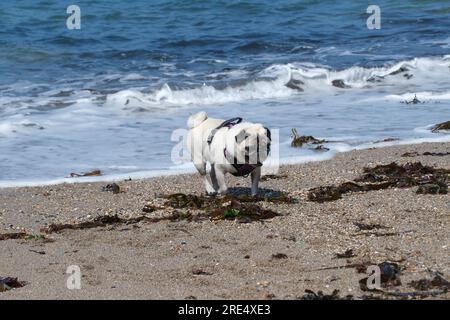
x=110 y=95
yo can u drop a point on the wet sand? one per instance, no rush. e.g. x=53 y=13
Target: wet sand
x=277 y=258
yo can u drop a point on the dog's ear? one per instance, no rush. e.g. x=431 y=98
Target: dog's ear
x=268 y=134
x=269 y=143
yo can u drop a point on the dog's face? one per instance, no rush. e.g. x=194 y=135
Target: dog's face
x=250 y=144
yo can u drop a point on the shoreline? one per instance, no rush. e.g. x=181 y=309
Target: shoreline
x=278 y=258
x=145 y=175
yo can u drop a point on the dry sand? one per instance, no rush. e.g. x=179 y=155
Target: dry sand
x=160 y=260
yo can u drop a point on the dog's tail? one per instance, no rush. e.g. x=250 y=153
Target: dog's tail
x=196 y=119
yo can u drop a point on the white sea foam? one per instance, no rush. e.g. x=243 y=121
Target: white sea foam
x=421 y=95
x=271 y=82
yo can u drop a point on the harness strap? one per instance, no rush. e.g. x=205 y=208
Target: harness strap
x=228 y=123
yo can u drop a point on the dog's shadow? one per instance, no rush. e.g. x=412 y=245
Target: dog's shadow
x=262 y=192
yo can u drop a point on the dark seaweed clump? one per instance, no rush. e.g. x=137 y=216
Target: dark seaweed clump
x=436 y=282
x=241 y=208
x=311 y=295
x=86 y=174
x=427 y=153
x=393 y=175
x=22 y=236
x=345 y=255
x=441 y=126
x=273 y=177
x=298 y=141
x=101 y=221
x=186 y=207
x=8 y=283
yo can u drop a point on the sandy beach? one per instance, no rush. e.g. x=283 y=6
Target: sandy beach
x=307 y=246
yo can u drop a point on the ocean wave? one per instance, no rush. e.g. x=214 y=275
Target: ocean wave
x=203 y=95
x=285 y=80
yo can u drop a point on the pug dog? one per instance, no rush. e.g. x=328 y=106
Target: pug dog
x=229 y=146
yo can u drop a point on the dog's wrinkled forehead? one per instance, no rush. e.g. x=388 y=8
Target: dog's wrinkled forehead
x=250 y=132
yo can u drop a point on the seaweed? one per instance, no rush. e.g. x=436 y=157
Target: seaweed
x=323 y=194
x=347 y=254
x=386 y=140
x=432 y=188
x=408 y=175
x=332 y=193
x=37 y=251
x=104 y=221
x=321 y=148
x=272 y=177
x=22 y=236
x=410 y=154
x=181 y=200
x=8 y=283
x=437 y=282
x=393 y=175
x=242 y=212
x=364 y=226
x=436 y=154
x=298 y=141
x=101 y=221
x=441 y=126
x=149 y=208
x=278 y=256
x=311 y=295
x=13 y=236
x=87 y=174
x=200 y=272
x=427 y=287
x=242 y=209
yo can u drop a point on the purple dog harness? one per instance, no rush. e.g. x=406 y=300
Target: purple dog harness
x=242 y=169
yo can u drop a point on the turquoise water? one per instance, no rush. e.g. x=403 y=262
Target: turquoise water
x=110 y=95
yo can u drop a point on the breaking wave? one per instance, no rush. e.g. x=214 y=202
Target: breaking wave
x=281 y=81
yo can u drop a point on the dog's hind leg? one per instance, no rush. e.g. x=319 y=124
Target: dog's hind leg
x=256 y=175
x=201 y=167
x=214 y=182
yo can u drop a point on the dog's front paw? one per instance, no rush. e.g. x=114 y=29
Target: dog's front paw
x=211 y=194
x=223 y=192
